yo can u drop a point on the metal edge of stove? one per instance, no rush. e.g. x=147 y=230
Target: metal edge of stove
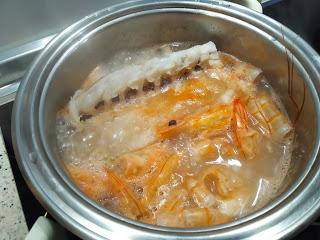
x=10 y=74
x=23 y=50
x=8 y=92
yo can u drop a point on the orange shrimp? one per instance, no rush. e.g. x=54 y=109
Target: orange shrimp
x=161 y=177
x=126 y=192
x=90 y=183
x=207 y=123
x=271 y=121
x=223 y=181
x=174 y=201
x=138 y=165
x=246 y=138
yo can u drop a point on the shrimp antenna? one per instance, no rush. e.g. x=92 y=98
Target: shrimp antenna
x=290 y=76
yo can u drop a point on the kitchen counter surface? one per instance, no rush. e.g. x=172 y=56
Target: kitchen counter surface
x=12 y=221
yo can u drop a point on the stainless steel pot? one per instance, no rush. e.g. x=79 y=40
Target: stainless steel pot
x=68 y=59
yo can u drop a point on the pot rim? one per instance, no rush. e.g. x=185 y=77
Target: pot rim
x=29 y=153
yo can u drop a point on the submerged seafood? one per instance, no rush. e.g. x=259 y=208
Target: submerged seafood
x=175 y=140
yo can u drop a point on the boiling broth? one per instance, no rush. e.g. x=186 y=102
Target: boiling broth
x=203 y=146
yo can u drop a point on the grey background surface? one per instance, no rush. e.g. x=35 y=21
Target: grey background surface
x=23 y=21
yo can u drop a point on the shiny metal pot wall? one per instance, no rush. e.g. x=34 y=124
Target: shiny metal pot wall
x=68 y=59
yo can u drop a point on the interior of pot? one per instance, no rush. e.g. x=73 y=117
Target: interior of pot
x=229 y=34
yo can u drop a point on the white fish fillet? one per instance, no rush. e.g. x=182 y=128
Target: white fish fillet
x=133 y=76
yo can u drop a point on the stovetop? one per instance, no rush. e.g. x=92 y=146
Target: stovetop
x=298 y=15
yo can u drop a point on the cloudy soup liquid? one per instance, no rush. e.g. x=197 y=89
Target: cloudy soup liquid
x=199 y=147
